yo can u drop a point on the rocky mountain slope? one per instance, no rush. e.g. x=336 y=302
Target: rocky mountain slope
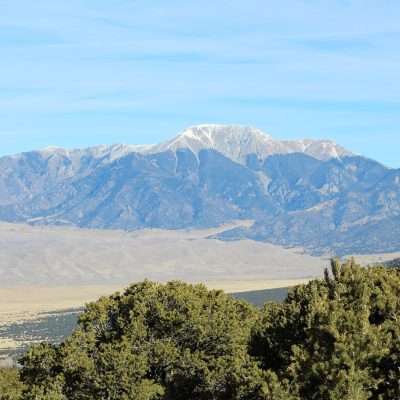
x=310 y=194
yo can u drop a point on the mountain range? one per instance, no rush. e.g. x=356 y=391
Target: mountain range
x=312 y=194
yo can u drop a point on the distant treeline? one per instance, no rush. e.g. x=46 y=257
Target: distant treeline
x=333 y=338
x=393 y=263
x=54 y=327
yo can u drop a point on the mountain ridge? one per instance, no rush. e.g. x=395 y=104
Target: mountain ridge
x=234 y=141
x=344 y=204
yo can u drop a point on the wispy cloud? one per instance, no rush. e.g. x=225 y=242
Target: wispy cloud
x=316 y=105
x=101 y=69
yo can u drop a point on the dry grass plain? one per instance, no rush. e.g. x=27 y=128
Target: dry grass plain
x=19 y=304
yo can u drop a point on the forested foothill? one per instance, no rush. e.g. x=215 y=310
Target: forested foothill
x=333 y=338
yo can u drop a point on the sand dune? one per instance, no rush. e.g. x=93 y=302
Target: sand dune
x=47 y=269
x=70 y=256
x=51 y=268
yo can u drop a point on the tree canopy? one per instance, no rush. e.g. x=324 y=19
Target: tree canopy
x=332 y=338
x=335 y=338
x=173 y=341
x=11 y=387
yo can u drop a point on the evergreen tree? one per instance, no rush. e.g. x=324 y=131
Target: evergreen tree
x=173 y=341
x=336 y=338
x=11 y=387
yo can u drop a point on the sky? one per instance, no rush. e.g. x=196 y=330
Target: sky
x=81 y=73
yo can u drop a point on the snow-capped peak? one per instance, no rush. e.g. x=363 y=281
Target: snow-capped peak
x=236 y=142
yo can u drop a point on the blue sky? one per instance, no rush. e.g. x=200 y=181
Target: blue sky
x=80 y=73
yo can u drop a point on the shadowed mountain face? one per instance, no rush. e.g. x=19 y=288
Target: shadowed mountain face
x=312 y=194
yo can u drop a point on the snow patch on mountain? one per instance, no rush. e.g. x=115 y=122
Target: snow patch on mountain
x=234 y=141
x=320 y=149
x=237 y=142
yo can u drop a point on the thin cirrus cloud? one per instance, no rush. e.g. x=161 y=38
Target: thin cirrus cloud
x=80 y=73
